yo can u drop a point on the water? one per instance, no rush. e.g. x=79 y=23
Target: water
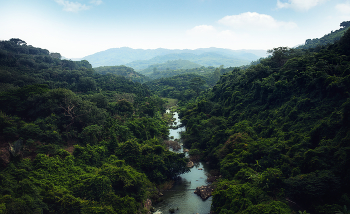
x=176 y=132
x=181 y=197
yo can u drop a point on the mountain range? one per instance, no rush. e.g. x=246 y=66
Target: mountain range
x=140 y=59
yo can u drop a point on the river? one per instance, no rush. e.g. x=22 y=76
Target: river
x=181 y=197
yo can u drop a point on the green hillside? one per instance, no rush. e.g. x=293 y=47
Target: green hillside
x=122 y=71
x=278 y=133
x=170 y=65
x=185 y=85
x=328 y=38
x=76 y=141
x=170 y=73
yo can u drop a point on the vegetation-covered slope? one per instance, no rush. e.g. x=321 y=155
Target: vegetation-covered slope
x=170 y=73
x=328 y=38
x=185 y=84
x=75 y=141
x=122 y=71
x=170 y=65
x=278 y=133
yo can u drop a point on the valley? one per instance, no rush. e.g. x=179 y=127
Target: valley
x=270 y=130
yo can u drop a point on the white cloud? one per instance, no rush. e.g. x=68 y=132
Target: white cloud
x=208 y=31
x=96 y=2
x=209 y=36
x=226 y=34
x=253 y=20
x=201 y=29
x=76 y=6
x=343 y=8
x=301 y=5
x=72 y=6
x=244 y=31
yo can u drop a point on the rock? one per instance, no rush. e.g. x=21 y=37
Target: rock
x=186 y=150
x=147 y=205
x=16 y=147
x=211 y=178
x=204 y=191
x=200 y=169
x=5 y=156
x=190 y=164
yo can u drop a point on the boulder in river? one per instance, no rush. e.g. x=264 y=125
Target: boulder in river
x=190 y=164
x=204 y=191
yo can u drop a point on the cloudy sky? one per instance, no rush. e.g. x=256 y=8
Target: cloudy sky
x=77 y=28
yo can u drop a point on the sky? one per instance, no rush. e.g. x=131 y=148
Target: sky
x=79 y=28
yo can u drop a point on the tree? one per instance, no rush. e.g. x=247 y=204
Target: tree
x=155 y=70
x=18 y=41
x=86 y=84
x=279 y=55
x=196 y=84
x=345 y=24
x=216 y=75
x=100 y=100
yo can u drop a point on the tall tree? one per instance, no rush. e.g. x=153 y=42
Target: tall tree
x=196 y=84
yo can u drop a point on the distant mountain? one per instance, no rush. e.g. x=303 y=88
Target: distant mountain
x=140 y=58
x=328 y=38
x=204 y=59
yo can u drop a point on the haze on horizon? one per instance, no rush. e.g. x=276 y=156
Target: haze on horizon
x=83 y=27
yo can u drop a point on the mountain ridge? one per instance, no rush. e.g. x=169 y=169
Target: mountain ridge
x=126 y=55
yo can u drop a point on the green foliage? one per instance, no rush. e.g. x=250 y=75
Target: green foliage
x=75 y=141
x=178 y=83
x=321 y=185
x=122 y=107
x=169 y=65
x=123 y=71
x=326 y=39
x=275 y=207
x=230 y=197
x=196 y=84
x=177 y=87
x=91 y=134
x=279 y=128
x=125 y=180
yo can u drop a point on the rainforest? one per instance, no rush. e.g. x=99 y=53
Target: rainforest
x=78 y=139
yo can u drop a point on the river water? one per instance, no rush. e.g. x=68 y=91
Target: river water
x=181 y=197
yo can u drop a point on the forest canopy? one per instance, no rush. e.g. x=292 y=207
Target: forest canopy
x=278 y=132
x=76 y=141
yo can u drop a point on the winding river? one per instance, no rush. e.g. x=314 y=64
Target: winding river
x=181 y=197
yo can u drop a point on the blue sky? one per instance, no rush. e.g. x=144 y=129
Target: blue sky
x=77 y=28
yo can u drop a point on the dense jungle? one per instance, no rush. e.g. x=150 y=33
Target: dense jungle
x=77 y=139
